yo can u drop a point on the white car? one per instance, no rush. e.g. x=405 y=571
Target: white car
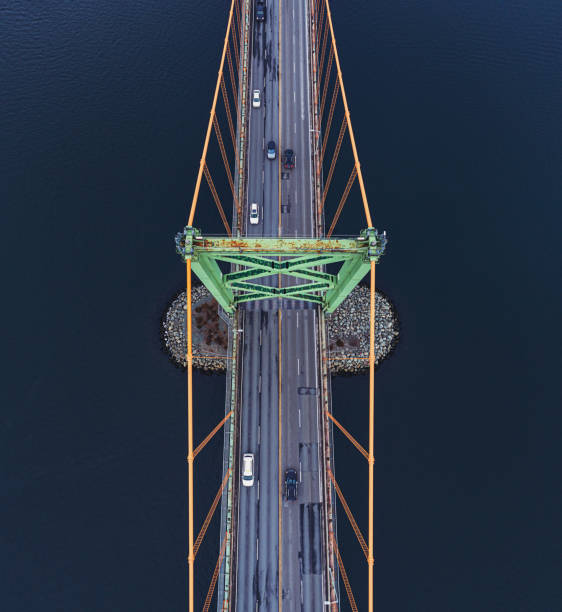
x=254 y=214
x=248 y=469
x=256 y=99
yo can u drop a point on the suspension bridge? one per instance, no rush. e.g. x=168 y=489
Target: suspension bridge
x=281 y=125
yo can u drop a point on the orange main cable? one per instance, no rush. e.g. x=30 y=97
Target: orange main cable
x=349 y=127
x=189 y=360
x=210 y=124
x=370 y=558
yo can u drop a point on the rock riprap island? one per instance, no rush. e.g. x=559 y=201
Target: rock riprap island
x=348 y=331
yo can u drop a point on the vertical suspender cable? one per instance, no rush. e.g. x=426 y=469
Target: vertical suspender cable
x=189 y=359
x=370 y=558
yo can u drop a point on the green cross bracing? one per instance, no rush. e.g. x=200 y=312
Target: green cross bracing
x=300 y=258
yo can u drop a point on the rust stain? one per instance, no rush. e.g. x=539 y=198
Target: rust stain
x=281 y=246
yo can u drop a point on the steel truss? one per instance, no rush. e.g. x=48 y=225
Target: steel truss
x=298 y=258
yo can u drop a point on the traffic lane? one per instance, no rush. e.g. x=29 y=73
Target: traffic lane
x=250 y=529
x=299 y=220
x=271 y=124
x=247 y=515
x=268 y=503
x=290 y=449
x=310 y=495
x=254 y=165
x=302 y=555
x=248 y=496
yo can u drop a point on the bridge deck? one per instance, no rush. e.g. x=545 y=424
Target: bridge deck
x=280 y=549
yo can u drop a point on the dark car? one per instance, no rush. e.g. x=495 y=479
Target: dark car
x=288 y=159
x=271 y=150
x=291 y=484
x=260 y=11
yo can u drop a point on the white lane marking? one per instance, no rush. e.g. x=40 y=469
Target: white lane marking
x=297 y=320
x=298 y=366
x=295 y=128
x=300 y=471
x=299 y=417
x=304 y=55
x=258 y=489
x=262 y=176
x=257 y=548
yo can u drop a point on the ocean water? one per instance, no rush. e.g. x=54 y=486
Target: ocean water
x=457 y=109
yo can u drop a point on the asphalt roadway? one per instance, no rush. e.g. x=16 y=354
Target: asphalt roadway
x=273 y=552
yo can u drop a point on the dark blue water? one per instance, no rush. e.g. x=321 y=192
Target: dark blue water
x=457 y=107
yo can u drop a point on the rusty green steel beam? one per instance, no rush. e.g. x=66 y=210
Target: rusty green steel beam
x=303 y=258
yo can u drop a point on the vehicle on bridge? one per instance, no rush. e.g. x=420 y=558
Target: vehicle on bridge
x=256 y=98
x=291 y=484
x=271 y=150
x=260 y=10
x=254 y=214
x=248 y=469
x=288 y=159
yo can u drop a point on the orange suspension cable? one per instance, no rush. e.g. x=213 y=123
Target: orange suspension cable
x=327 y=77
x=322 y=55
x=210 y=435
x=235 y=45
x=229 y=117
x=329 y=122
x=348 y=116
x=237 y=25
x=321 y=16
x=225 y=161
x=352 y=520
x=333 y=164
x=189 y=360
x=208 y=134
x=370 y=558
x=232 y=79
x=343 y=200
x=214 y=579
x=344 y=576
x=217 y=200
x=348 y=435
x=209 y=516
